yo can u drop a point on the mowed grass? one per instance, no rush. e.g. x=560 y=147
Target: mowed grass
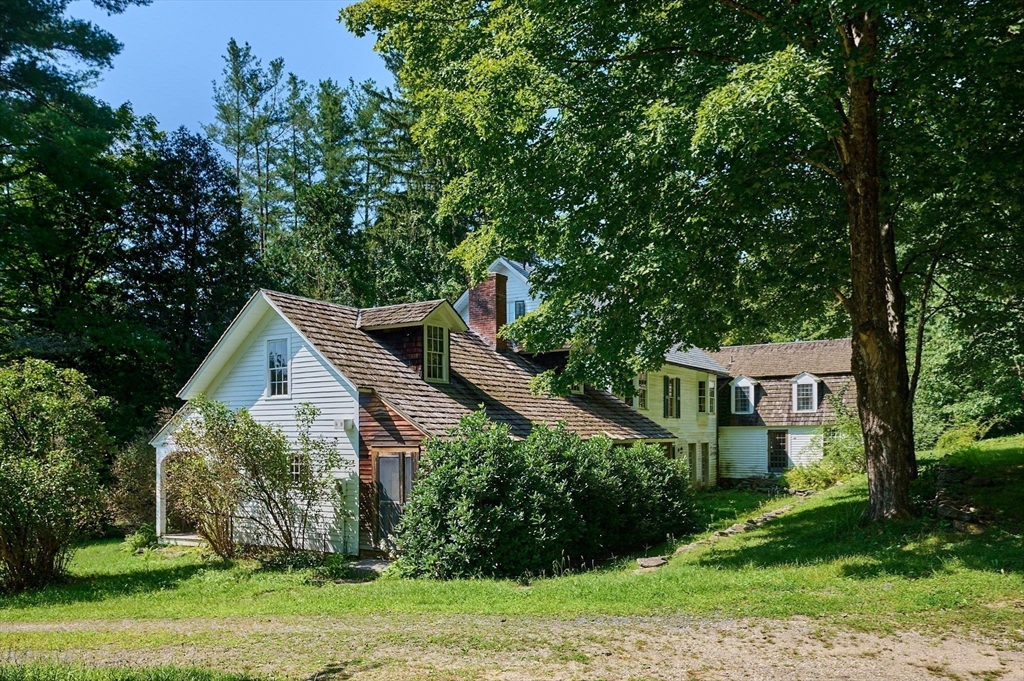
x=817 y=561
x=56 y=672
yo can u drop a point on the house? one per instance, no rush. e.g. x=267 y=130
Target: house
x=774 y=410
x=384 y=379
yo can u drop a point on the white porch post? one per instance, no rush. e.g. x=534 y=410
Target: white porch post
x=161 y=493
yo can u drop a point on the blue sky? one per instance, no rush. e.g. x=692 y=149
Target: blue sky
x=173 y=50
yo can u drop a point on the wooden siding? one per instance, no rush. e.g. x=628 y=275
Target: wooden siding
x=406 y=344
x=691 y=426
x=515 y=290
x=243 y=383
x=773 y=403
x=743 y=450
x=379 y=426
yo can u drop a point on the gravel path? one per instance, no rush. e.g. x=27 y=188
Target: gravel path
x=512 y=649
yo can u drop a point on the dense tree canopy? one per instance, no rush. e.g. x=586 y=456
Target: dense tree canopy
x=682 y=169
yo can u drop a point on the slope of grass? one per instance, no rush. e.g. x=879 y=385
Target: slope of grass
x=816 y=561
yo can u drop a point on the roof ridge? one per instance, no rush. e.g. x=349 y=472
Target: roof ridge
x=776 y=344
x=418 y=302
x=311 y=300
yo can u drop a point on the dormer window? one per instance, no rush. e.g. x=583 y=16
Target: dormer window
x=277 y=368
x=435 y=344
x=577 y=389
x=805 y=393
x=743 y=396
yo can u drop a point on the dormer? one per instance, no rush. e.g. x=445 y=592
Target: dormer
x=417 y=333
x=805 y=393
x=743 y=394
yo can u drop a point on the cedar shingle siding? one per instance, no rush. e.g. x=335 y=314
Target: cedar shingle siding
x=773 y=366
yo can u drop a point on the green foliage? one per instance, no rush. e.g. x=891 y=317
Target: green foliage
x=842 y=452
x=236 y=478
x=140 y=540
x=962 y=436
x=131 y=492
x=491 y=506
x=52 y=443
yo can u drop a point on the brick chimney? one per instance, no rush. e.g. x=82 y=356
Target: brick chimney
x=488 y=311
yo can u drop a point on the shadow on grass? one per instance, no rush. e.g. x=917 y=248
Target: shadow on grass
x=99 y=587
x=831 y=531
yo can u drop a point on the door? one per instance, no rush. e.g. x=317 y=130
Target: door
x=705 y=463
x=396 y=472
x=692 y=461
x=778 y=451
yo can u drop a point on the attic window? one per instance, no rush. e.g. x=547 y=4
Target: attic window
x=577 y=389
x=519 y=309
x=805 y=393
x=435 y=365
x=277 y=367
x=743 y=396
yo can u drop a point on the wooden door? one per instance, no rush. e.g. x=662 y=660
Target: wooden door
x=778 y=451
x=692 y=462
x=395 y=473
x=705 y=464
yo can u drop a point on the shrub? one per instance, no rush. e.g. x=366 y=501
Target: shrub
x=842 y=452
x=140 y=540
x=52 y=443
x=962 y=435
x=227 y=467
x=490 y=506
x=131 y=495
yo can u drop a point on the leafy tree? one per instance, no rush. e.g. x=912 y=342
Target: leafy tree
x=236 y=479
x=52 y=443
x=682 y=170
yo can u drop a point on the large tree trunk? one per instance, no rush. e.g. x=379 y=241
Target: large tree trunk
x=876 y=306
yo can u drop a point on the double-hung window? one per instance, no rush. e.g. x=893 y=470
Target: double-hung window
x=702 y=396
x=742 y=403
x=435 y=365
x=277 y=367
x=671 y=402
x=518 y=309
x=805 y=397
x=641 y=391
x=712 y=397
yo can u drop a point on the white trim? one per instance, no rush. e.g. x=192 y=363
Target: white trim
x=805 y=379
x=288 y=368
x=445 y=354
x=749 y=384
x=463 y=300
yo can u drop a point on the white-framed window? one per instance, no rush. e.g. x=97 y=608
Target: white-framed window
x=712 y=396
x=671 y=397
x=277 y=368
x=296 y=468
x=641 y=390
x=435 y=355
x=702 y=397
x=805 y=393
x=743 y=396
x=577 y=389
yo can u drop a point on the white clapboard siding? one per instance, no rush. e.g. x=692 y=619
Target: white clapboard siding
x=805 y=445
x=516 y=288
x=691 y=426
x=243 y=383
x=742 y=451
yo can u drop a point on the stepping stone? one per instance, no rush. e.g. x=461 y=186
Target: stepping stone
x=652 y=562
x=738 y=527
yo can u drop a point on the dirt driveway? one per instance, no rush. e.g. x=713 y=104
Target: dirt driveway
x=467 y=647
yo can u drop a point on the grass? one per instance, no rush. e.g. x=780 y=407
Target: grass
x=817 y=561
x=57 y=672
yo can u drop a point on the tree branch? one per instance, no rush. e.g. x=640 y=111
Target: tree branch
x=922 y=318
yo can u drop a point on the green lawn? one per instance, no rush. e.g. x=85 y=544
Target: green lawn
x=816 y=561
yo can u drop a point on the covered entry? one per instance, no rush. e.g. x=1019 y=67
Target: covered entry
x=394 y=475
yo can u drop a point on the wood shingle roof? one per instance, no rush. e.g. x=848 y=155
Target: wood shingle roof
x=821 y=358
x=480 y=375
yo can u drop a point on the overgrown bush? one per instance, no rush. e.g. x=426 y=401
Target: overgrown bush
x=235 y=478
x=962 y=435
x=488 y=505
x=52 y=443
x=842 y=452
x=131 y=494
x=143 y=538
